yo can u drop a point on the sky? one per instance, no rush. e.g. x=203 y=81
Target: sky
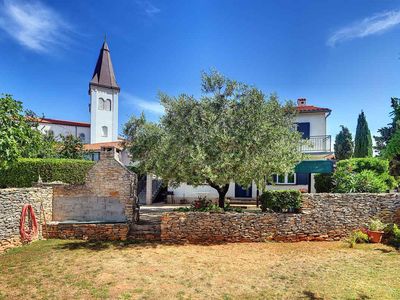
x=344 y=55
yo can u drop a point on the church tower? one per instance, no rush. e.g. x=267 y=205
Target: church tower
x=103 y=91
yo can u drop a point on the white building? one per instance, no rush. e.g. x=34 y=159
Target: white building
x=102 y=131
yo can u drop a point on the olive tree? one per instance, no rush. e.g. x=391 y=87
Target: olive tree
x=232 y=132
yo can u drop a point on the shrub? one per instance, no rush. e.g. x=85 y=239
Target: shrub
x=392 y=234
x=25 y=172
x=205 y=205
x=376 y=225
x=363 y=175
x=378 y=165
x=357 y=237
x=280 y=201
x=323 y=183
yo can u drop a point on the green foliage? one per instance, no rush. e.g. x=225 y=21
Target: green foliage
x=392 y=153
x=363 y=175
x=18 y=134
x=392 y=235
x=376 y=225
x=363 y=140
x=386 y=133
x=323 y=183
x=205 y=205
x=281 y=200
x=25 y=172
x=231 y=133
x=357 y=237
x=71 y=147
x=343 y=144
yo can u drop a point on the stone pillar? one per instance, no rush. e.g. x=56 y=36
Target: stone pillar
x=149 y=189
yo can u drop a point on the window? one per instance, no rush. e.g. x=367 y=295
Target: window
x=304 y=129
x=104 y=131
x=82 y=137
x=107 y=105
x=288 y=178
x=101 y=104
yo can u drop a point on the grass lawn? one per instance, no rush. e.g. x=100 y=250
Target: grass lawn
x=57 y=269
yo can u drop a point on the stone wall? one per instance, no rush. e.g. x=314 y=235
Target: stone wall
x=97 y=232
x=11 y=203
x=324 y=217
x=108 y=194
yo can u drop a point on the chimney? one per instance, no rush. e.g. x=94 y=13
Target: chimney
x=109 y=153
x=301 y=102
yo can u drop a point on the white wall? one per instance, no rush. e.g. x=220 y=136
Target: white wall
x=100 y=118
x=65 y=130
x=317 y=122
x=191 y=193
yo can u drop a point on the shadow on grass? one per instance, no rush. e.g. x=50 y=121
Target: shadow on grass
x=383 y=250
x=311 y=295
x=104 y=245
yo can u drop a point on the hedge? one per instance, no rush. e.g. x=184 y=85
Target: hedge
x=25 y=172
x=281 y=201
x=323 y=183
x=378 y=165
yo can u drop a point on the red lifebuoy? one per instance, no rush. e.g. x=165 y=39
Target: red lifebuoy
x=27 y=234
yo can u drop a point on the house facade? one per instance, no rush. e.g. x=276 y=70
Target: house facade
x=311 y=121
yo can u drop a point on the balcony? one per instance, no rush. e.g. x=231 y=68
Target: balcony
x=317 y=144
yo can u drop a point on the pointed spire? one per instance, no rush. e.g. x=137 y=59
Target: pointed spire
x=103 y=74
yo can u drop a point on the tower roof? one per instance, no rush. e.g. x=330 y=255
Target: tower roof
x=103 y=74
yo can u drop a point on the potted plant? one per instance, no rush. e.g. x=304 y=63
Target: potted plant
x=375 y=230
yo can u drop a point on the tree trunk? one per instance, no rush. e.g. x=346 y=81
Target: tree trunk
x=222 y=190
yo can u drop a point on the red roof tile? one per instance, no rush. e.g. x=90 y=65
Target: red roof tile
x=98 y=146
x=312 y=108
x=63 y=122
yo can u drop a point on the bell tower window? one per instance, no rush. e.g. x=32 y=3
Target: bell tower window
x=107 y=105
x=104 y=131
x=101 y=104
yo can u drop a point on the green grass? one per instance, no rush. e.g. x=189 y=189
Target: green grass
x=58 y=269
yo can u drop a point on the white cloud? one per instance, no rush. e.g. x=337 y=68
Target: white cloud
x=33 y=25
x=150 y=106
x=376 y=24
x=148 y=8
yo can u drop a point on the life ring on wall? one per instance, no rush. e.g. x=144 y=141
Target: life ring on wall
x=30 y=230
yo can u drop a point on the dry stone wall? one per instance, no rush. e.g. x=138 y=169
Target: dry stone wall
x=324 y=217
x=97 y=232
x=11 y=203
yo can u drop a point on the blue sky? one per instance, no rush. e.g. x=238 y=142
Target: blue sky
x=344 y=55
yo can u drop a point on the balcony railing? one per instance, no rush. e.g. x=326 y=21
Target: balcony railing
x=318 y=143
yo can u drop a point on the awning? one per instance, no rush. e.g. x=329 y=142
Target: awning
x=315 y=166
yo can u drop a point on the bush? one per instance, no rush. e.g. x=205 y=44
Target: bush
x=205 y=205
x=363 y=175
x=378 y=165
x=376 y=225
x=392 y=234
x=323 y=183
x=281 y=201
x=25 y=172
x=357 y=237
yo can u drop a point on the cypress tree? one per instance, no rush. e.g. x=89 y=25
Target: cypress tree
x=343 y=144
x=363 y=140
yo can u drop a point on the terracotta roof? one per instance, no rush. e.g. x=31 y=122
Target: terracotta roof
x=103 y=74
x=98 y=146
x=63 y=122
x=312 y=108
